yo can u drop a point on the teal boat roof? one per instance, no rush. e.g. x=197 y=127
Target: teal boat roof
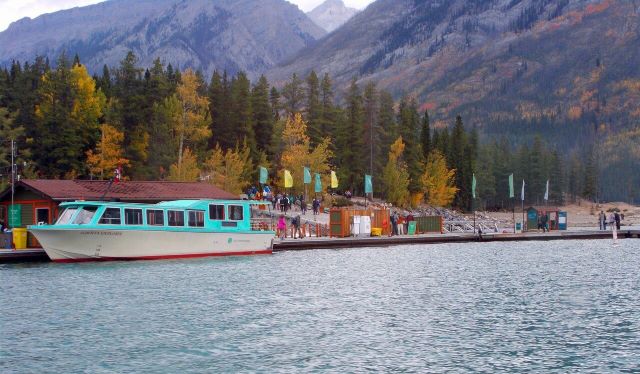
x=178 y=204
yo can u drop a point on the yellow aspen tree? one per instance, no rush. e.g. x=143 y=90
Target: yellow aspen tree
x=109 y=153
x=298 y=153
x=438 y=181
x=191 y=120
x=396 y=175
x=188 y=171
x=229 y=169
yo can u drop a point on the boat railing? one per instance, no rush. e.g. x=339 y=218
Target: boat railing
x=262 y=224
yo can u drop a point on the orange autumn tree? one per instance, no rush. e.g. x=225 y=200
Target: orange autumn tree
x=298 y=153
x=438 y=181
x=108 y=154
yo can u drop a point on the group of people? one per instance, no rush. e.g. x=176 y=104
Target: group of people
x=399 y=223
x=613 y=218
x=281 y=227
x=543 y=222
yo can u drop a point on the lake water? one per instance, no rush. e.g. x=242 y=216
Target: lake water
x=560 y=306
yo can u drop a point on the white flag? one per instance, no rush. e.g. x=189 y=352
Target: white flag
x=546 y=193
x=522 y=194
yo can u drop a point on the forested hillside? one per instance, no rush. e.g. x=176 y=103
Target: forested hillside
x=161 y=123
x=564 y=71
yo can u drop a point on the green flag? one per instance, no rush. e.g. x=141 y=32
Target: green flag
x=318 y=186
x=307 y=175
x=264 y=174
x=473 y=186
x=511 y=193
x=368 y=184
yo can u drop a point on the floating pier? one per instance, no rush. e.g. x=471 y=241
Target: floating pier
x=289 y=244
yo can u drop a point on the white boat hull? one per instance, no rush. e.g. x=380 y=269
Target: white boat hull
x=72 y=245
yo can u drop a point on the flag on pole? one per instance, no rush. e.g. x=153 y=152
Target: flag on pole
x=334 y=179
x=546 y=193
x=473 y=186
x=318 y=186
x=264 y=174
x=511 y=192
x=368 y=184
x=288 y=179
x=522 y=193
x=307 y=175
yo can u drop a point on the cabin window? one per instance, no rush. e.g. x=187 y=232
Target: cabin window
x=196 y=218
x=236 y=212
x=65 y=216
x=155 y=217
x=85 y=215
x=111 y=216
x=175 y=217
x=133 y=216
x=216 y=212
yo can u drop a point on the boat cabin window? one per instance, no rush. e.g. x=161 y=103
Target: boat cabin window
x=175 y=217
x=133 y=216
x=65 y=216
x=111 y=216
x=216 y=212
x=85 y=215
x=196 y=218
x=236 y=212
x=155 y=217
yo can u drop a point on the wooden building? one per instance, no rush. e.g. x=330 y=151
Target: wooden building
x=37 y=200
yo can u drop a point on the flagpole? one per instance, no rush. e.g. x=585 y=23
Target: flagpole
x=513 y=206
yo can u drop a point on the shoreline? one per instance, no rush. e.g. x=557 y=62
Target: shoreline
x=309 y=243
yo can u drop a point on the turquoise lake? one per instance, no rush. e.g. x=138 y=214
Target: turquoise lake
x=559 y=306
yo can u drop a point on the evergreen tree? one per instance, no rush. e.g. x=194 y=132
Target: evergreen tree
x=274 y=99
x=314 y=109
x=425 y=135
x=556 y=178
x=387 y=121
x=590 y=186
x=129 y=90
x=457 y=161
x=409 y=126
x=242 y=114
x=329 y=116
x=350 y=149
x=293 y=95
x=373 y=132
x=262 y=114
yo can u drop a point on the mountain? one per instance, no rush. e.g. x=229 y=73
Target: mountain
x=331 y=14
x=567 y=63
x=248 y=35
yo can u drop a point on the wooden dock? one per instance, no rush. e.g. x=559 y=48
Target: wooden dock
x=38 y=255
x=353 y=242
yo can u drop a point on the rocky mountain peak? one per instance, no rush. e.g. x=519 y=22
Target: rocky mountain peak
x=331 y=14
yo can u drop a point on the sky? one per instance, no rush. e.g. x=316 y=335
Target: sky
x=13 y=10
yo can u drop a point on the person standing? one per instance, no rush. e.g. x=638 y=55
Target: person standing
x=601 y=220
x=315 y=205
x=282 y=227
x=296 y=227
x=616 y=217
x=303 y=205
x=543 y=221
x=612 y=220
x=394 y=223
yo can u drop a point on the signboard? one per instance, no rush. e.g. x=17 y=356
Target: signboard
x=15 y=215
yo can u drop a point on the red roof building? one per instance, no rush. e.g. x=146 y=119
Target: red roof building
x=37 y=199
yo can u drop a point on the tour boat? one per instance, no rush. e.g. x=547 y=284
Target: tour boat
x=98 y=231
